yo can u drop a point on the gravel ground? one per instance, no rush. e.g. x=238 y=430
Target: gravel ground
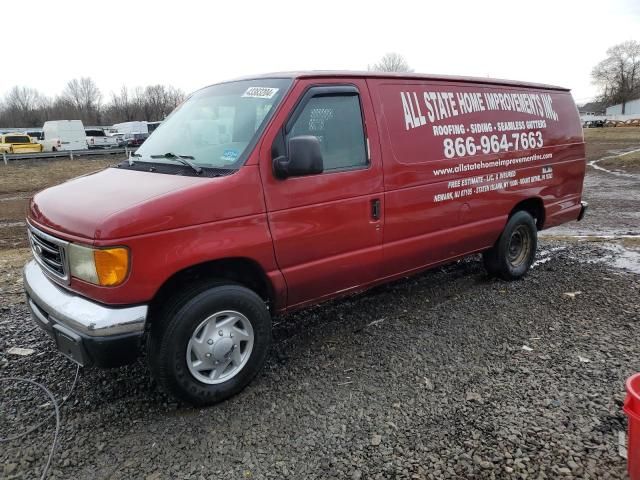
x=423 y=378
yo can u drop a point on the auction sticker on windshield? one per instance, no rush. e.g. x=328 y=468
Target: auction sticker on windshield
x=229 y=156
x=260 y=92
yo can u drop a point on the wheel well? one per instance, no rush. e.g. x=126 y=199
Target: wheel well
x=535 y=207
x=244 y=271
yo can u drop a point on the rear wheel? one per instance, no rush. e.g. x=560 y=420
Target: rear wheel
x=512 y=255
x=210 y=342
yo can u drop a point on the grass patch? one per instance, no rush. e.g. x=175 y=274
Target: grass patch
x=600 y=142
x=631 y=134
x=31 y=176
x=623 y=160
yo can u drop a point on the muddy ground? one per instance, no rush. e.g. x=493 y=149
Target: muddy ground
x=449 y=374
x=21 y=179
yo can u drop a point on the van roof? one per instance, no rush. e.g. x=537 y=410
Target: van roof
x=402 y=76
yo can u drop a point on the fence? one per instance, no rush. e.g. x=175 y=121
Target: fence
x=9 y=157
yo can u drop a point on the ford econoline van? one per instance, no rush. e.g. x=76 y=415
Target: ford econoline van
x=272 y=193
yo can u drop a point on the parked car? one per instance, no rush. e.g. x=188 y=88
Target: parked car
x=119 y=139
x=18 y=143
x=96 y=138
x=60 y=135
x=135 y=139
x=270 y=194
x=34 y=134
x=594 y=124
x=151 y=126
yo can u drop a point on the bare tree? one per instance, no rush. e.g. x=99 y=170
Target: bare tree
x=24 y=107
x=159 y=101
x=391 y=62
x=85 y=96
x=81 y=99
x=122 y=106
x=153 y=102
x=618 y=75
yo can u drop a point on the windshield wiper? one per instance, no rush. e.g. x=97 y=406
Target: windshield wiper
x=183 y=159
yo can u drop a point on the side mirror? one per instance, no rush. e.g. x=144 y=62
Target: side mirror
x=305 y=158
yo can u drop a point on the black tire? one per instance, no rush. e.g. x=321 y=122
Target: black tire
x=512 y=255
x=172 y=331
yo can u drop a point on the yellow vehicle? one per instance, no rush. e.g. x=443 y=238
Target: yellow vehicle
x=18 y=143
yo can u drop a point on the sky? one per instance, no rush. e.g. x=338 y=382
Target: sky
x=190 y=44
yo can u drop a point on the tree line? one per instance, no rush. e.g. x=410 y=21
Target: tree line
x=618 y=75
x=81 y=99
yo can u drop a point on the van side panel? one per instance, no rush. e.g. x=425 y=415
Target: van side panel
x=458 y=157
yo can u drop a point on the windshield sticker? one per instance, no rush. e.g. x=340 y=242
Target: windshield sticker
x=229 y=156
x=260 y=92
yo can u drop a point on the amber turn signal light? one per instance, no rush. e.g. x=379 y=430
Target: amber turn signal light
x=112 y=265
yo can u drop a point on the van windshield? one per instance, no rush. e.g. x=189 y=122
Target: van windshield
x=218 y=125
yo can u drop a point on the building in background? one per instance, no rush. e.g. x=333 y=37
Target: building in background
x=592 y=108
x=631 y=107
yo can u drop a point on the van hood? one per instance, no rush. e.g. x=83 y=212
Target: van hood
x=117 y=203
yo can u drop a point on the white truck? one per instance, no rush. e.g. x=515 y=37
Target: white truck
x=58 y=135
x=97 y=138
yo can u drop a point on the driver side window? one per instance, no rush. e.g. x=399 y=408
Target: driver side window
x=336 y=120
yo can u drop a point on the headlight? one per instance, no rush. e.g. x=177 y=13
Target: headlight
x=101 y=266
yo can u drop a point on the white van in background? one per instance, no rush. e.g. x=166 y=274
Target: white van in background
x=131 y=127
x=63 y=135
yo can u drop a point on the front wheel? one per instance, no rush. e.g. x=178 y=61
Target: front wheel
x=210 y=343
x=512 y=255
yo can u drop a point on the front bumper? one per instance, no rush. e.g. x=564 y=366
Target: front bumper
x=85 y=331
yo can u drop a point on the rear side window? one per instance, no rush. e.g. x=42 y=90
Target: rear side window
x=337 y=123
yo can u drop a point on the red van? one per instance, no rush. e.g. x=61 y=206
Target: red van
x=272 y=193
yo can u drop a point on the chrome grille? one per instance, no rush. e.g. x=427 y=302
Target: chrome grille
x=50 y=252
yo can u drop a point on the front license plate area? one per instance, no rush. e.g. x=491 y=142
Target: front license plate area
x=69 y=344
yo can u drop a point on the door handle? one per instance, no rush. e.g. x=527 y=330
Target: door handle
x=375 y=209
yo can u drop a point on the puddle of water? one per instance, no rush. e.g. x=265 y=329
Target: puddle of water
x=602 y=237
x=545 y=255
x=540 y=261
x=620 y=257
x=609 y=251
